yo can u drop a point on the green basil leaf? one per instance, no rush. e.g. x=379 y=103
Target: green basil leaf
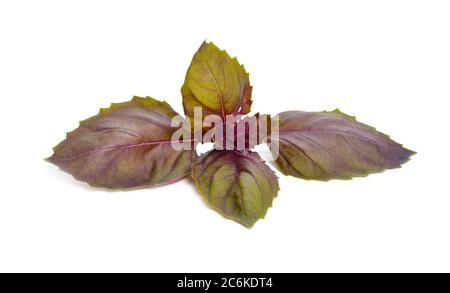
x=239 y=185
x=217 y=83
x=126 y=145
x=333 y=145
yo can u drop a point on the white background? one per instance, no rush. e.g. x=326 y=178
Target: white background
x=388 y=62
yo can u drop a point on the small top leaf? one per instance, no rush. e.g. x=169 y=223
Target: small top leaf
x=126 y=145
x=217 y=83
x=237 y=184
x=333 y=145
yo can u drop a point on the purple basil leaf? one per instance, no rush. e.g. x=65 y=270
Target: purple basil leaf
x=126 y=145
x=333 y=145
x=239 y=185
x=217 y=83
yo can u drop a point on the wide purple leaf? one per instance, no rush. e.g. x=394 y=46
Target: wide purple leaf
x=327 y=145
x=239 y=185
x=126 y=145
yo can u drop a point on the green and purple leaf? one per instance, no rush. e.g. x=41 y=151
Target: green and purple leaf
x=333 y=145
x=126 y=145
x=239 y=185
x=217 y=83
